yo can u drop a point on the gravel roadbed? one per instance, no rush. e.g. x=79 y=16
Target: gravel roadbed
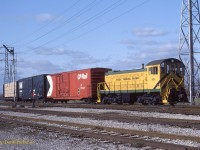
x=120 y=125
x=125 y=113
x=42 y=140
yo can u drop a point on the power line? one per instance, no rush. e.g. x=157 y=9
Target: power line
x=84 y=10
x=51 y=21
x=97 y=27
x=107 y=22
x=88 y=21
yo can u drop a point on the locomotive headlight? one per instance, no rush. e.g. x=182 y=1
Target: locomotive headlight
x=172 y=60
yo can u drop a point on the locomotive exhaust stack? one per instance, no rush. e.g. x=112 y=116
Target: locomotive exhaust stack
x=142 y=66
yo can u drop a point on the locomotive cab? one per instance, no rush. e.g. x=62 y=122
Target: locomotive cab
x=168 y=76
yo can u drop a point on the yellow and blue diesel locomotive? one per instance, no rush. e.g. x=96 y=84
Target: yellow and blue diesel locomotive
x=159 y=82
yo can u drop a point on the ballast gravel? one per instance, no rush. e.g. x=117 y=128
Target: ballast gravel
x=125 y=113
x=25 y=138
x=121 y=125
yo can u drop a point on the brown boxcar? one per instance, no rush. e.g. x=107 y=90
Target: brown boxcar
x=75 y=85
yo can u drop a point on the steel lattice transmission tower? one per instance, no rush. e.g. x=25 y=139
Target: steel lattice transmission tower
x=9 y=74
x=10 y=68
x=189 y=46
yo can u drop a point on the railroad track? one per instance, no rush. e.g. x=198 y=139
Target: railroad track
x=177 y=109
x=184 y=123
x=134 y=138
x=111 y=134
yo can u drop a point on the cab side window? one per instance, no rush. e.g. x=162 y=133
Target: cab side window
x=176 y=68
x=150 y=70
x=162 y=68
x=173 y=68
x=153 y=70
x=168 y=69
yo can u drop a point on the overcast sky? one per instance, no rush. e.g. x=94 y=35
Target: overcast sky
x=52 y=36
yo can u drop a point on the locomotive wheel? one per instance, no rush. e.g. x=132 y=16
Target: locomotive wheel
x=104 y=101
x=155 y=101
x=131 y=102
x=144 y=102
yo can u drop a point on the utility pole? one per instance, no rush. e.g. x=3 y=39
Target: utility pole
x=10 y=73
x=189 y=46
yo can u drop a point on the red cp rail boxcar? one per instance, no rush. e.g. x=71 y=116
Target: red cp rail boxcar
x=75 y=85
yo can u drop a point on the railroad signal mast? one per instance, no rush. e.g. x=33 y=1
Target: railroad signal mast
x=189 y=47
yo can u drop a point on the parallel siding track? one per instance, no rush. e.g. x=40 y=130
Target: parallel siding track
x=109 y=135
x=133 y=137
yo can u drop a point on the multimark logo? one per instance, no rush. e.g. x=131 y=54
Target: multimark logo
x=82 y=76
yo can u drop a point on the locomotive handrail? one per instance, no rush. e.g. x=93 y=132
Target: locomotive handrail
x=102 y=84
x=164 y=82
x=99 y=85
x=167 y=81
x=180 y=82
x=172 y=79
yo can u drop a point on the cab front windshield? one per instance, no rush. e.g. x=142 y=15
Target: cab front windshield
x=172 y=67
